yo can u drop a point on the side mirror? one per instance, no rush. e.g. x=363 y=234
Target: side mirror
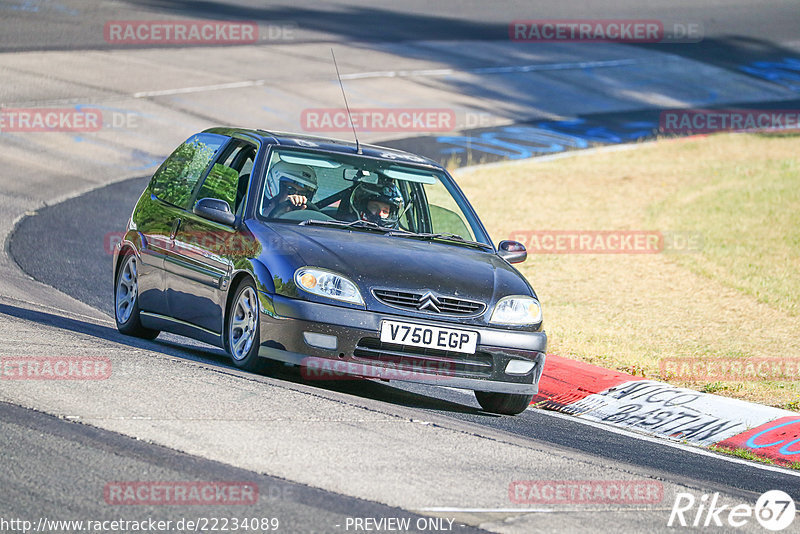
x=214 y=210
x=512 y=251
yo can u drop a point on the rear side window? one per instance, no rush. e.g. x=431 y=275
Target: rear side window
x=175 y=180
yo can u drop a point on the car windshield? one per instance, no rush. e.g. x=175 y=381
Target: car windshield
x=366 y=194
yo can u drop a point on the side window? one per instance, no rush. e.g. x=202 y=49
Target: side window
x=175 y=180
x=221 y=183
x=445 y=215
x=228 y=178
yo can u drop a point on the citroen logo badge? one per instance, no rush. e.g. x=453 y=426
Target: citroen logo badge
x=429 y=302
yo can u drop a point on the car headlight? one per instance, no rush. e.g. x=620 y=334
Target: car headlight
x=327 y=284
x=517 y=310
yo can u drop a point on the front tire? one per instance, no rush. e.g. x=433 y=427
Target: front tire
x=242 y=338
x=503 y=403
x=126 y=300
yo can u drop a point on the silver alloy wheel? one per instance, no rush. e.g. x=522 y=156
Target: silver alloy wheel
x=244 y=322
x=126 y=290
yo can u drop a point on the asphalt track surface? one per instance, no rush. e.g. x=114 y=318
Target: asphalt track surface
x=71 y=488
x=51 y=464
x=733 y=32
x=66 y=25
x=85 y=257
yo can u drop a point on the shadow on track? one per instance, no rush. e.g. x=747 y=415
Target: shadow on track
x=183 y=348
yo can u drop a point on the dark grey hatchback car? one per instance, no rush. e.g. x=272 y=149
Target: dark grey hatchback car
x=346 y=260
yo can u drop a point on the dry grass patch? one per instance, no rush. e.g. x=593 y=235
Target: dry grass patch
x=736 y=298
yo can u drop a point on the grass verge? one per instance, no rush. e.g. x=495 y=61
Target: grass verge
x=732 y=296
x=749 y=455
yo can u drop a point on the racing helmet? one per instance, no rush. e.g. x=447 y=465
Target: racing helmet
x=385 y=191
x=292 y=178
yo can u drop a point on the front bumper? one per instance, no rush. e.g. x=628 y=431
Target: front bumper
x=286 y=323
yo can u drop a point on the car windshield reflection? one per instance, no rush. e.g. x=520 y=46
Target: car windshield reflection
x=352 y=192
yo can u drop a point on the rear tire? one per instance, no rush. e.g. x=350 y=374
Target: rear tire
x=126 y=300
x=242 y=329
x=503 y=403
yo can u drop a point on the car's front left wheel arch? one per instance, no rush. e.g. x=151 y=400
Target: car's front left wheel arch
x=243 y=324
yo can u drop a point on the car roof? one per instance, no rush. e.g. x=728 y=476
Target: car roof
x=326 y=144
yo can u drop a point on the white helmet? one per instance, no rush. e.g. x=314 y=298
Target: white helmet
x=298 y=179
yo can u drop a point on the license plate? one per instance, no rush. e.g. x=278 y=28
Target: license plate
x=432 y=337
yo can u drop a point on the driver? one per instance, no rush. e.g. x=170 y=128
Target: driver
x=292 y=187
x=379 y=203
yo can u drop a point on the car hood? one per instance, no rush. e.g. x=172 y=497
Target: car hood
x=374 y=260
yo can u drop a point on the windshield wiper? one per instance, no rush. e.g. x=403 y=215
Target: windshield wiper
x=442 y=235
x=366 y=225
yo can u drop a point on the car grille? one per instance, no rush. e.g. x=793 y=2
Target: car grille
x=423 y=360
x=428 y=302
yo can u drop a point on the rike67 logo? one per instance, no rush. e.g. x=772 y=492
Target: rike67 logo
x=774 y=510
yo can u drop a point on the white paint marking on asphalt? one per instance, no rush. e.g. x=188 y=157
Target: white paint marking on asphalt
x=668 y=443
x=405 y=74
x=446 y=509
x=453 y=509
x=572 y=65
x=200 y=88
x=399 y=73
